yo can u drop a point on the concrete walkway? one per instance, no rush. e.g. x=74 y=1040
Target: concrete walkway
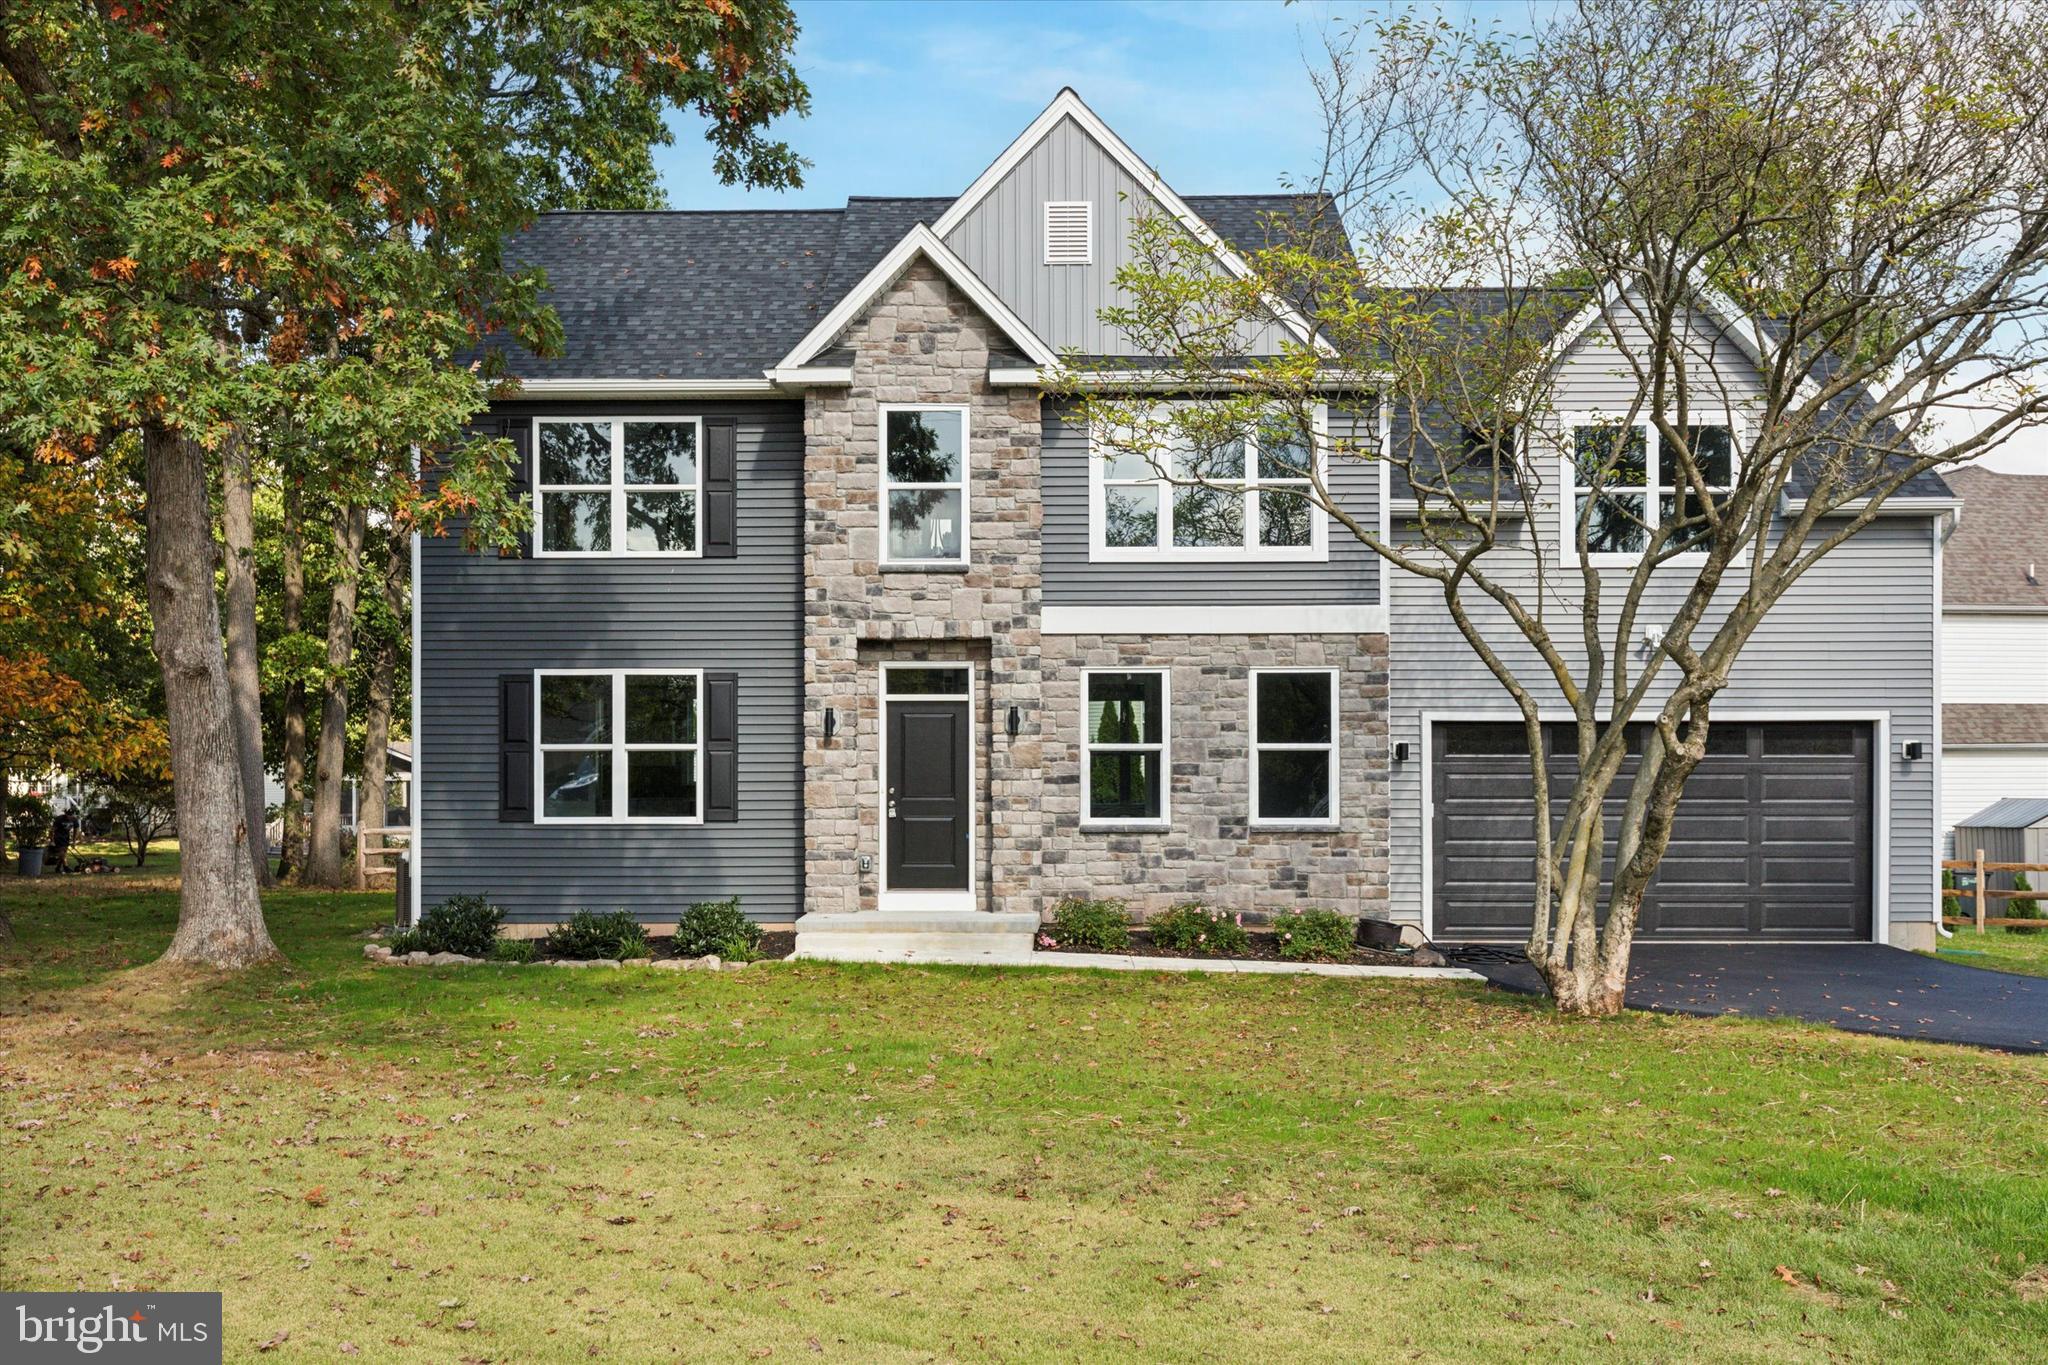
x=1861 y=987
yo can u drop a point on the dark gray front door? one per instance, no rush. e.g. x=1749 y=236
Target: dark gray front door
x=926 y=795
x=1772 y=839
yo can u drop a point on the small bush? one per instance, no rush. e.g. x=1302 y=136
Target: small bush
x=1315 y=936
x=407 y=941
x=460 y=924
x=2023 y=907
x=588 y=937
x=1101 y=925
x=717 y=927
x=1198 y=929
x=1951 y=904
x=517 y=950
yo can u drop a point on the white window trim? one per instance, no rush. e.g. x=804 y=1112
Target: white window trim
x=1087 y=208
x=949 y=901
x=618 y=746
x=618 y=488
x=889 y=485
x=1332 y=748
x=1250 y=552
x=1089 y=748
x=1569 y=424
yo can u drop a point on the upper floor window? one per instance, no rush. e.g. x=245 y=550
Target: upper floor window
x=618 y=746
x=1626 y=482
x=1245 y=498
x=1069 y=232
x=618 y=486
x=924 y=485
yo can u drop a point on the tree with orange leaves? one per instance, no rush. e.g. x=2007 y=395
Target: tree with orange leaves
x=217 y=217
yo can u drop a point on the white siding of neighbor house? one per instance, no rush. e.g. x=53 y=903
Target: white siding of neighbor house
x=1002 y=241
x=1994 y=658
x=1857 y=636
x=1973 y=778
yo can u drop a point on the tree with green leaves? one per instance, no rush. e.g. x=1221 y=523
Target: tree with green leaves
x=1830 y=217
x=220 y=219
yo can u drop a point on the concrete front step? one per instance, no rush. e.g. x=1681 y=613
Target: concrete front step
x=916 y=935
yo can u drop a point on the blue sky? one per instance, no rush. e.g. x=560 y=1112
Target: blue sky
x=917 y=98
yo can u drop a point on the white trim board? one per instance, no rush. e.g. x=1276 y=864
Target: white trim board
x=920 y=240
x=1235 y=619
x=642 y=388
x=1880 y=815
x=1067 y=105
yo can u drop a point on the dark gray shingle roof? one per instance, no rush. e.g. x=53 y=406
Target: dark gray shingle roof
x=724 y=294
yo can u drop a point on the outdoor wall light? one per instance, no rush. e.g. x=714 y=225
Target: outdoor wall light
x=1015 y=722
x=1914 y=750
x=831 y=722
x=1401 y=752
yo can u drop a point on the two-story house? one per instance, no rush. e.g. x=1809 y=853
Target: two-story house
x=829 y=607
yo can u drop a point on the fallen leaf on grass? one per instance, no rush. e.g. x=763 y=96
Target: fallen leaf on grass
x=271 y=1345
x=2032 y=1287
x=349 y=1348
x=1806 y=1288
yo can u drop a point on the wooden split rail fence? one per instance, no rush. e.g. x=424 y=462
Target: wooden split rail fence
x=1977 y=867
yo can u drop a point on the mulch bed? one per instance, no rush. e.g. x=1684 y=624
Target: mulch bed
x=1264 y=948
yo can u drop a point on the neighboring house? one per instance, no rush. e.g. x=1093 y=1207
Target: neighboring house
x=828 y=608
x=1994 y=644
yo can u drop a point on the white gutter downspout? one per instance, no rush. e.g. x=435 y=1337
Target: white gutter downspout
x=1944 y=527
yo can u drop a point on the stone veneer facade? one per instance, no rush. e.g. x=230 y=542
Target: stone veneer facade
x=921 y=342
x=1209 y=851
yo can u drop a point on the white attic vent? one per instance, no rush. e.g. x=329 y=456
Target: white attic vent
x=1069 y=232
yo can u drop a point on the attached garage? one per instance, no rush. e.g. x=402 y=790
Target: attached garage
x=1774 y=836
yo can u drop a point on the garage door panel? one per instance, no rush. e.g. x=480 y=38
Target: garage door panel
x=1772 y=838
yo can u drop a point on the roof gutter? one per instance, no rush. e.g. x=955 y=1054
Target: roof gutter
x=643 y=388
x=1890 y=507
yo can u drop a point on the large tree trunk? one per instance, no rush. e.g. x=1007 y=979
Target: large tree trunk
x=220 y=911
x=323 y=843
x=292 y=853
x=370 y=807
x=245 y=683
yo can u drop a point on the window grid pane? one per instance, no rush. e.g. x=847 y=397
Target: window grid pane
x=924 y=485
x=1124 y=726
x=1295 y=746
x=619 y=746
x=1242 y=497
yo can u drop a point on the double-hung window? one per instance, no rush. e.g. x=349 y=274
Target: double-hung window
x=627 y=486
x=1124 y=742
x=619 y=746
x=1627 y=481
x=924 y=485
x=1246 y=497
x=1294 y=746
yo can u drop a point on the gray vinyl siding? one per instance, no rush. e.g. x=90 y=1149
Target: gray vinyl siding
x=482 y=616
x=1858 y=635
x=1002 y=241
x=1350 y=577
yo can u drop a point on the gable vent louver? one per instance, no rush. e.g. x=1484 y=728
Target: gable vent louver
x=1069 y=233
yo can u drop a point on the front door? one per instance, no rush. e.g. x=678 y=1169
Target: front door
x=927 y=805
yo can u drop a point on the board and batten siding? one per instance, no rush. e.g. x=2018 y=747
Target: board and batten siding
x=1349 y=577
x=1857 y=636
x=1994 y=657
x=482 y=616
x=1002 y=240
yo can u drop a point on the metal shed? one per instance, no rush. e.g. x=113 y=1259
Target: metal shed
x=2014 y=830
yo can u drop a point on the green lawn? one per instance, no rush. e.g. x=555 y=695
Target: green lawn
x=910 y=1164
x=2000 y=949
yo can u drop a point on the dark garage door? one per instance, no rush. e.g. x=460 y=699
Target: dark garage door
x=1772 y=839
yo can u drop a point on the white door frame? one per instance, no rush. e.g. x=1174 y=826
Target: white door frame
x=1880 y=815
x=940 y=901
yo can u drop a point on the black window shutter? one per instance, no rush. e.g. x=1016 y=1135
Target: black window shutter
x=521 y=432
x=721 y=748
x=721 y=488
x=515 y=748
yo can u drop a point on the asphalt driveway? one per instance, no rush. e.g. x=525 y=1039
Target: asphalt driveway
x=1856 y=986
